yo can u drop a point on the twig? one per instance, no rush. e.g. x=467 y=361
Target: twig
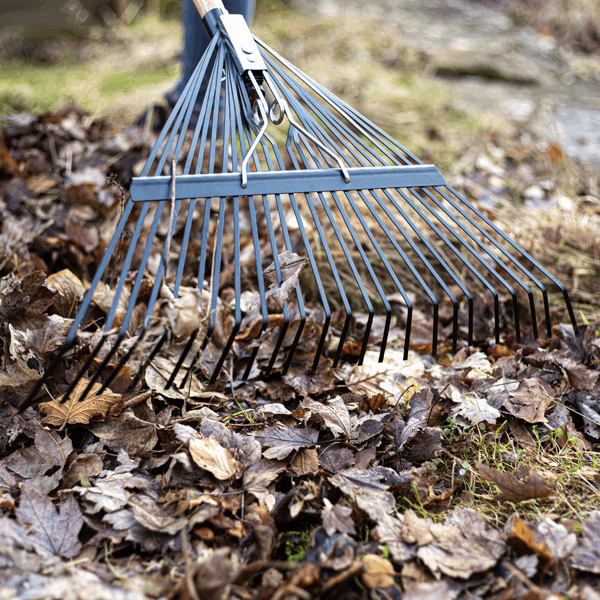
x=110 y=181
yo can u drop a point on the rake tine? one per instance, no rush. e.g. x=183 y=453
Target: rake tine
x=536 y=264
x=182 y=358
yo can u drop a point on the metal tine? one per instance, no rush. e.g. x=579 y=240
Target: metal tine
x=333 y=122
x=238 y=133
x=211 y=102
x=312 y=262
x=268 y=141
x=307 y=122
x=299 y=142
x=460 y=256
x=503 y=251
x=525 y=254
x=70 y=339
x=229 y=133
x=340 y=105
x=273 y=243
x=482 y=246
x=349 y=260
x=357 y=120
x=434 y=301
x=532 y=305
x=178 y=115
x=183 y=119
x=330 y=261
x=246 y=130
x=328 y=118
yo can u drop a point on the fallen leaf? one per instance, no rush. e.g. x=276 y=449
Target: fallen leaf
x=23 y=300
x=530 y=400
x=474 y=409
x=368 y=488
x=69 y=290
x=258 y=477
x=462 y=546
x=74 y=411
x=208 y=454
x=126 y=432
x=513 y=490
x=586 y=556
x=281 y=440
x=334 y=414
x=526 y=535
x=81 y=469
x=337 y=518
x=377 y=572
x=51 y=532
x=290 y=265
x=305 y=462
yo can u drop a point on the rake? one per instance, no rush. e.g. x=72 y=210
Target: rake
x=258 y=174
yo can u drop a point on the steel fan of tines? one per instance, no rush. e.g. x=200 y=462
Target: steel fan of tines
x=257 y=159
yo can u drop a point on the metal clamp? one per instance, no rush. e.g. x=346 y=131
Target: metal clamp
x=239 y=38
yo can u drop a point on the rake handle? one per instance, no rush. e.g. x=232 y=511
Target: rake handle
x=205 y=6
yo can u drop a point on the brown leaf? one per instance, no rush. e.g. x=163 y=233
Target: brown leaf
x=426 y=446
x=337 y=518
x=513 y=490
x=462 y=546
x=259 y=476
x=51 y=336
x=334 y=415
x=368 y=488
x=305 y=462
x=25 y=298
x=586 y=556
x=69 y=290
x=530 y=400
x=83 y=467
x=126 y=432
x=281 y=440
x=208 y=454
x=378 y=572
x=51 y=532
x=526 y=535
x=290 y=266
x=73 y=411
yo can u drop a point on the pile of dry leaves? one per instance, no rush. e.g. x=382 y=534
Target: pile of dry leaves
x=355 y=482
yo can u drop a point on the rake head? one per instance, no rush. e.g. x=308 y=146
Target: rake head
x=265 y=194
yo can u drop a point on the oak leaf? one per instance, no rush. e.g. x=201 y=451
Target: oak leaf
x=74 y=410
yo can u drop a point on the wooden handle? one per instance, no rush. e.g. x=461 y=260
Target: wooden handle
x=204 y=6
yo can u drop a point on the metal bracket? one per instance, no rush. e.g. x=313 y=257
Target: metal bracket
x=240 y=40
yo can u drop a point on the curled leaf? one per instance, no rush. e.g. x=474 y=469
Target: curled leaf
x=208 y=454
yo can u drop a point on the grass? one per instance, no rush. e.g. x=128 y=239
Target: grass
x=121 y=74
x=560 y=458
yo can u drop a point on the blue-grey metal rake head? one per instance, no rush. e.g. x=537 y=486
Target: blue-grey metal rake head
x=258 y=161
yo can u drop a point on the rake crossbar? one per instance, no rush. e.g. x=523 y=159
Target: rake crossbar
x=147 y=189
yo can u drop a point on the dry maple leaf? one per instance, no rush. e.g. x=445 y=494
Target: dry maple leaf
x=81 y=412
